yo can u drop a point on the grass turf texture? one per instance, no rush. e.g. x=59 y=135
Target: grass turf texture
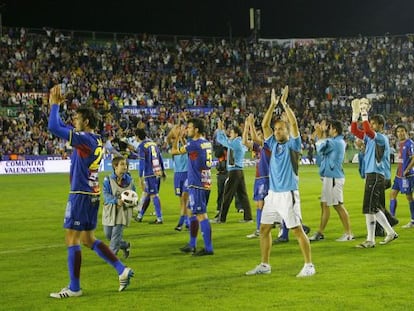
x=33 y=257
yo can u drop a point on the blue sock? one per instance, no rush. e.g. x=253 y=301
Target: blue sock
x=181 y=220
x=74 y=264
x=206 y=233
x=157 y=205
x=193 y=230
x=106 y=254
x=393 y=206
x=285 y=231
x=186 y=221
x=258 y=217
x=145 y=205
x=412 y=211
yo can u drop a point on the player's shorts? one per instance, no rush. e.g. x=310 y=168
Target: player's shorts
x=198 y=200
x=152 y=185
x=403 y=185
x=260 y=188
x=180 y=183
x=374 y=194
x=332 y=190
x=81 y=212
x=282 y=205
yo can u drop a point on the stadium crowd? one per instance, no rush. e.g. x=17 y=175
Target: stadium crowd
x=230 y=79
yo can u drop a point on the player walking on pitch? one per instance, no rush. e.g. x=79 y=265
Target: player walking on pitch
x=83 y=203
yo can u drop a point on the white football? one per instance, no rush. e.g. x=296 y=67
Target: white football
x=130 y=198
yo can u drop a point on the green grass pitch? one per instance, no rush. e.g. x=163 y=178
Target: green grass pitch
x=33 y=257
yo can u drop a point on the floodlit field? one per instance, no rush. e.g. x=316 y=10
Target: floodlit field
x=33 y=258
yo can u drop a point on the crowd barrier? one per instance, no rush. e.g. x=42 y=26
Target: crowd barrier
x=48 y=164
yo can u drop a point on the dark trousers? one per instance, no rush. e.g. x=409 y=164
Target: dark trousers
x=235 y=184
x=221 y=180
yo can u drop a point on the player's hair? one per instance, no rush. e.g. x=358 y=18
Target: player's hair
x=140 y=134
x=198 y=124
x=337 y=125
x=237 y=130
x=282 y=121
x=379 y=118
x=116 y=160
x=88 y=113
x=401 y=126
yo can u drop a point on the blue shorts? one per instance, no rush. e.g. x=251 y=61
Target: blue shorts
x=261 y=188
x=403 y=185
x=81 y=212
x=180 y=183
x=152 y=185
x=198 y=200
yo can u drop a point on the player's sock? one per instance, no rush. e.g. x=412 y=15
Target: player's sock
x=157 y=205
x=382 y=220
x=181 y=220
x=370 y=222
x=206 y=233
x=145 y=205
x=258 y=217
x=106 y=254
x=412 y=211
x=74 y=265
x=393 y=206
x=193 y=230
x=285 y=231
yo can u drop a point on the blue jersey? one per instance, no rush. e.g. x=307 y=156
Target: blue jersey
x=235 y=150
x=200 y=157
x=332 y=153
x=86 y=156
x=150 y=159
x=284 y=164
x=377 y=155
x=262 y=155
x=180 y=163
x=405 y=153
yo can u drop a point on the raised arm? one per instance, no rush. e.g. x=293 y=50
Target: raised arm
x=175 y=149
x=267 y=129
x=56 y=125
x=172 y=133
x=247 y=129
x=253 y=133
x=356 y=110
x=293 y=123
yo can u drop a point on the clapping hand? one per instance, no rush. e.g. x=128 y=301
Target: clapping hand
x=355 y=104
x=55 y=96
x=284 y=97
x=364 y=106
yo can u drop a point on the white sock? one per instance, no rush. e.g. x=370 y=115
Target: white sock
x=370 y=221
x=384 y=222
